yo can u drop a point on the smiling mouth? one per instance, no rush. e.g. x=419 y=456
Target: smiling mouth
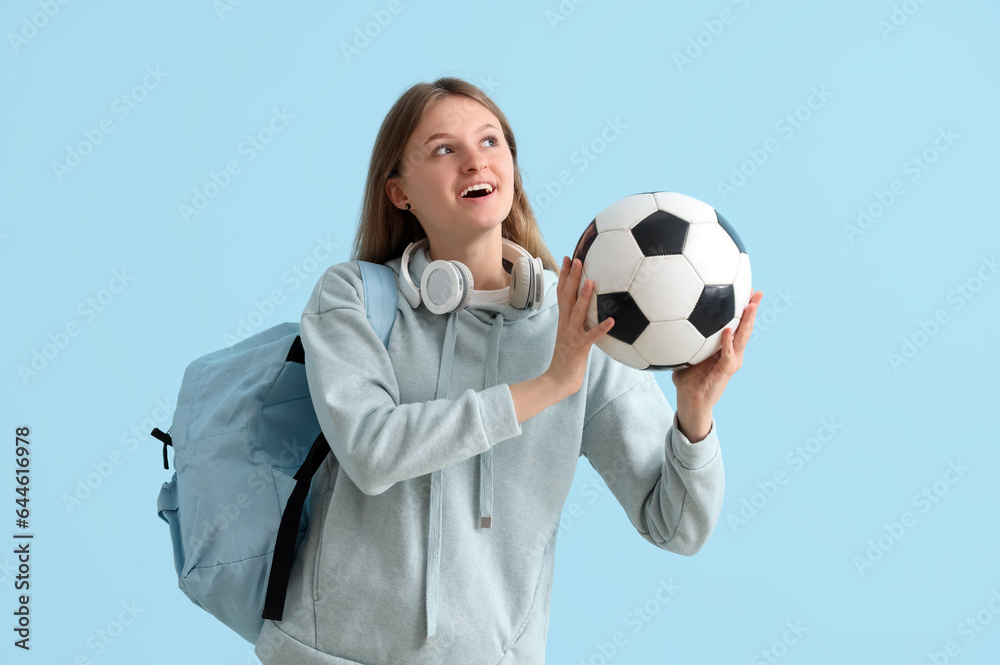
x=479 y=199
x=477 y=191
x=483 y=197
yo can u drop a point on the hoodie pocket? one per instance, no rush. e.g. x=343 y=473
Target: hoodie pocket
x=538 y=610
x=319 y=547
x=369 y=578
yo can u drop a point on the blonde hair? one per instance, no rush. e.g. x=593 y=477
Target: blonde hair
x=384 y=230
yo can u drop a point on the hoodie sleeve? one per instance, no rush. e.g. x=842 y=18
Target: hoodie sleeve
x=671 y=489
x=378 y=441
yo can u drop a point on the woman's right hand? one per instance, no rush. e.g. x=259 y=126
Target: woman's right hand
x=573 y=340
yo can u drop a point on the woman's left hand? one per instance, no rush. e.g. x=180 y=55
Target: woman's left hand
x=700 y=386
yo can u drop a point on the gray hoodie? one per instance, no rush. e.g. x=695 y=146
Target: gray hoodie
x=433 y=530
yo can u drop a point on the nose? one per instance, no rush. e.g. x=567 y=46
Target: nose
x=475 y=162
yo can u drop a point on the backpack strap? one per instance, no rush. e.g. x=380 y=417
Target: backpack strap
x=380 y=297
x=380 y=306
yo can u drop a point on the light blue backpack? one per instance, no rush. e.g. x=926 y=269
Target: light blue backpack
x=246 y=445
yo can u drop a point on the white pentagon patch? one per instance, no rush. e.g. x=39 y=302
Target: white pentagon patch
x=666 y=288
x=622 y=352
x=685 y=207
x=741 y=285
x=668 y=342
x=612 y=260
x=712 y=252
x=625 y=213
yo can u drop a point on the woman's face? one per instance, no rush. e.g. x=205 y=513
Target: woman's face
x=457 y=143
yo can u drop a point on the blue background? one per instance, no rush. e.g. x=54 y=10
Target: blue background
x=836 y=302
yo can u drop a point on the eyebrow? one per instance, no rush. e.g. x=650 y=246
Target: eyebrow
x=441 y=134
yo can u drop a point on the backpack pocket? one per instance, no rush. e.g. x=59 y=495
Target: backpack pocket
x=166 y=508
x=284 y=483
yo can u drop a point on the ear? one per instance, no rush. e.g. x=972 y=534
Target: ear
x=395 y=193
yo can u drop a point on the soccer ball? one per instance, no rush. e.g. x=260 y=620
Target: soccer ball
x=672 y=273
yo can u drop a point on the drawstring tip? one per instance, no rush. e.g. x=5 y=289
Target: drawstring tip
x=485 y=522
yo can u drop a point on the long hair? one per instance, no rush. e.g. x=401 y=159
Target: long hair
x=384 y=230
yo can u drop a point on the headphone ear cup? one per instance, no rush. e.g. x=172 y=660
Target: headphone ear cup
x=520 y=283
x=538 y=275
x=446 y=286
x=466 y=295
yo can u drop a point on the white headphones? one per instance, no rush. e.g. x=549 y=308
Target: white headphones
x=447 y=285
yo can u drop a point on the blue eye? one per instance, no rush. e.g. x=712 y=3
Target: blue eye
x=495 y=140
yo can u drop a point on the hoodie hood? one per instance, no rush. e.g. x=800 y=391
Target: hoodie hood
x=492 y=307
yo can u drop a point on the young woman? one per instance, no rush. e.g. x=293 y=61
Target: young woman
x=433 y=531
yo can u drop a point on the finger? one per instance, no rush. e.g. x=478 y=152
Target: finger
x=601 y=329
x=724 y=367
x=735 y=355
x=563 y=271
x=570 y=287
x=573 y=284
x=576 y=270
x=746 y=324
x=582 y=304
x=565 y=302
x=742 y=332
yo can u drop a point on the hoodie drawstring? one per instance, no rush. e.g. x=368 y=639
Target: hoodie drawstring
x=486 y=459
x=485 y=466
